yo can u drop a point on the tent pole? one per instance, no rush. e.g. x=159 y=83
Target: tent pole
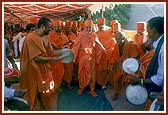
x=102 y=10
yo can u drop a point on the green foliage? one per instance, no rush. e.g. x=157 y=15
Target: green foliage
x=119 y=12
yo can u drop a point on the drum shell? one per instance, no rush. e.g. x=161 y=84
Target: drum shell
x=17 y=104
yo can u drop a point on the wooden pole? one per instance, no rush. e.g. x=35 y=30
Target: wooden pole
x=102 y=11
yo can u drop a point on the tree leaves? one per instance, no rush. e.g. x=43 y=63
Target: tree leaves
x=119 y=12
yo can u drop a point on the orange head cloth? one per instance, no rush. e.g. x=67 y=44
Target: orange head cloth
x=81 y=26
x=56 y=23
x=68 y=24
x=33 y=20
x=140 y=25
x=88 y=23
x=101 y=21
x=113 y=22
x=74 y=24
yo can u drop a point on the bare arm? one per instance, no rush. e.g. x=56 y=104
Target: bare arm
x=43 y=59
x=46 y=59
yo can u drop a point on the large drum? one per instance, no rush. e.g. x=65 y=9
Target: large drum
x=17 y=104
x=135 y=94
x=68 y=58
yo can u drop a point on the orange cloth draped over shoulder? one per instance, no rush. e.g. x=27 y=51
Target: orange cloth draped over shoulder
x=84 y=49
x=108 y=41
x=58 y=40
x=138 y=40
x=69 y=67
x=71 y=37
x=140 y=36
x=34 y=74
x=129 y=50
x=144 y=62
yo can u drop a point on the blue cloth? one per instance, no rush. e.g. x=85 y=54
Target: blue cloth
x=69 y=100
x=8 y=92
x=153 y=69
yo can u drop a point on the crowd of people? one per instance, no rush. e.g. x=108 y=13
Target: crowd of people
x=98 y=57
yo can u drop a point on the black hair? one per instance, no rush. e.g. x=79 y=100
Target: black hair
x=29 y=26
x=43 y=21
x=157 y=23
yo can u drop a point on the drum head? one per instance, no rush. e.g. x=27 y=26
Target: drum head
x=17 y=104
x=130 y=65
x=68 y=58
x=136 y=94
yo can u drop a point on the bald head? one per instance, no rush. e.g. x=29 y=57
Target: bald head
x=120 y=36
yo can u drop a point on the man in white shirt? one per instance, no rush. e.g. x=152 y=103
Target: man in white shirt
x=154 y=81
x=29 y=27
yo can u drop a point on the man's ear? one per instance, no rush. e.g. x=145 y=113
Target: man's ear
x=42 y=26
x=154 y=30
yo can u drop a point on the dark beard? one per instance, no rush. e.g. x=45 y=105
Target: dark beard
x=46 y=33
x=58 y=31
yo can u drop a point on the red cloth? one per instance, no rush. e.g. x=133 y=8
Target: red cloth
x=11 y=72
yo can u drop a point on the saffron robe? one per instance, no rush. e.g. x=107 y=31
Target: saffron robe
x=129 y=50
x=58 y=41
x=138 y=39
x=69 y=67
x=83 y=49
x=102 y=59
x=36 y=76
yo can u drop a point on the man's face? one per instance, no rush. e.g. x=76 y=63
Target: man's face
x=88 y=29
x=101 y=26
x=149 y=44
x=68 y=29
x=140 y=31
x=119 y=38
x=48 y=28
x=58 y=29
x=116 y=29
x=74 y=29
x=150 y=32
